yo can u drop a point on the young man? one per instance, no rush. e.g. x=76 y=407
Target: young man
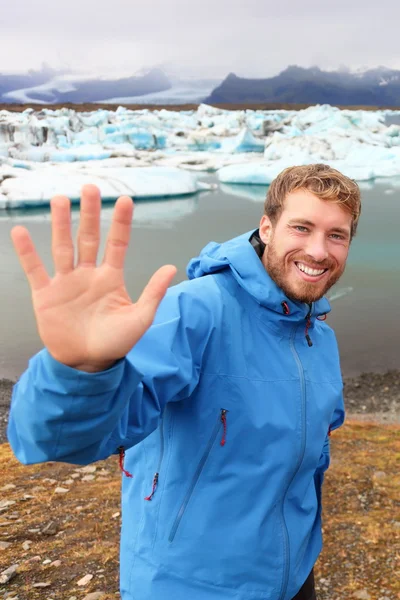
x=222 y=407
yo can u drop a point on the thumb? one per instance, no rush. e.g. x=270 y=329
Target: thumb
x=154 y=292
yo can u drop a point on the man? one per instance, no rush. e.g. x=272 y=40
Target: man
x=220 y=411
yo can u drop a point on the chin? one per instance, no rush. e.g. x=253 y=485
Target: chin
x=304 y=295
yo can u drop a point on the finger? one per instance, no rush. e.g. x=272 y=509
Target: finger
x=62 y=245
x=89 y=226
x=154 y=292
x=119 y=234
x=29 y=258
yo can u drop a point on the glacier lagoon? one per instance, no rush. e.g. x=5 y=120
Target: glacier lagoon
x=365 y=301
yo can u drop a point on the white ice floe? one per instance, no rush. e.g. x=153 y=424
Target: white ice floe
x=21 y=187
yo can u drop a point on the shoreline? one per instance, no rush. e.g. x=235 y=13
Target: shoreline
x=232 y=106
x=368 y=397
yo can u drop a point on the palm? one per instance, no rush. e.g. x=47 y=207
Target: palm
x=84 y=314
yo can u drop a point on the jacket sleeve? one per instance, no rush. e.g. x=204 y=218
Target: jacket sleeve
x=61 y=414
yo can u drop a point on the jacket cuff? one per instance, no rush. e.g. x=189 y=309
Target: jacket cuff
x=57 y=377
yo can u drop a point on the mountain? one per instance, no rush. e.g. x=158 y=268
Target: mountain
x=60 y=89
x=294 y=85
x=10 y=82
x=374 y=87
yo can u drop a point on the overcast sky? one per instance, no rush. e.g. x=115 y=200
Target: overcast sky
x=254 y=38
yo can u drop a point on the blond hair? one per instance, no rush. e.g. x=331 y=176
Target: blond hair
x=323 y=181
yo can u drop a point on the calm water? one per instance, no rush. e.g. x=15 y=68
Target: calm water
x=366 y=320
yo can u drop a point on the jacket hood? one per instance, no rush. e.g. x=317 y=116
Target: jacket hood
x=240 y=256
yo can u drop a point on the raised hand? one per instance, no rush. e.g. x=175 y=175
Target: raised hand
x=84 y=314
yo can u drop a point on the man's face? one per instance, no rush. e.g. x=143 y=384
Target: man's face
x=306 y=250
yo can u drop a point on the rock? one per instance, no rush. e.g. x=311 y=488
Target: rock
x=42 y=584
x=68 y=481
x=50 y=529
x=6 y=503
x=27 y=497
x=7 y=487
x=87 y=469
x=47 y=561
x=27 y=545
x=362 y=595
x=4 y=545
x=94 y=596
x=55 y=563
x=8 y=574
x=115 y=515
x=61 y=490
x=36 y=558
x=88 y=478
x=85 y=580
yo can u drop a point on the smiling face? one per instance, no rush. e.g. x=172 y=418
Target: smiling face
x=306 y=249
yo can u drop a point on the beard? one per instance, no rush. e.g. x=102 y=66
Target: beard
x=294 y=288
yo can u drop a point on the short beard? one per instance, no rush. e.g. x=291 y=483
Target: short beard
x=275 y=267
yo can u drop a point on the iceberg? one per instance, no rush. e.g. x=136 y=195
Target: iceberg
x=243 y=146
x=255 y=193
x=22 y=188
x=251 y=173
x=245 y=141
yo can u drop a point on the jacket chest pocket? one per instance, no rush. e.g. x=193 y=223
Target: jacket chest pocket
x=219 y=428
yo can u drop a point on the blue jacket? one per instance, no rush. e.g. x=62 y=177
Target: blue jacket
x=223 y=399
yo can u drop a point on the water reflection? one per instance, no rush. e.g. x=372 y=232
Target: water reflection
x=148 y=213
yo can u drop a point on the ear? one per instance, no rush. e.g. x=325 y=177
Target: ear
x=265 y=229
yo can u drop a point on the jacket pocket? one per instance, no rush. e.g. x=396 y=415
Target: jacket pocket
x=219 y=426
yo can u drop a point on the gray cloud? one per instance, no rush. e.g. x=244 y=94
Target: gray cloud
x=253 y=37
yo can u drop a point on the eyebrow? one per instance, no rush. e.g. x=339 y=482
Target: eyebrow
x=342 y=230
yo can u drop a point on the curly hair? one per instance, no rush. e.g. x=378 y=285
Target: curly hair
x=323 y=181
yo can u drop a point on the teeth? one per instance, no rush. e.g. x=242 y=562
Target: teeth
x=308 y=271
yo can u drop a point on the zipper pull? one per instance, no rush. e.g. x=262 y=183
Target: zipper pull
x=223 y=421
x=121 y=451
x=155 y=482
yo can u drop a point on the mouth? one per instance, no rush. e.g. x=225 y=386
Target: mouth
x=308 y=273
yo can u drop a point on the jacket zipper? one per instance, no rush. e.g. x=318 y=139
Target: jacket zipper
x=308 y=325
x=157 y=473
x=221 y=422
x=285 y=578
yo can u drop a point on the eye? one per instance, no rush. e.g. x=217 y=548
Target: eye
x=337 y=236
x=301 y=228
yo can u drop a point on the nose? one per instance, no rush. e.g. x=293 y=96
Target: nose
x=317 y=247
